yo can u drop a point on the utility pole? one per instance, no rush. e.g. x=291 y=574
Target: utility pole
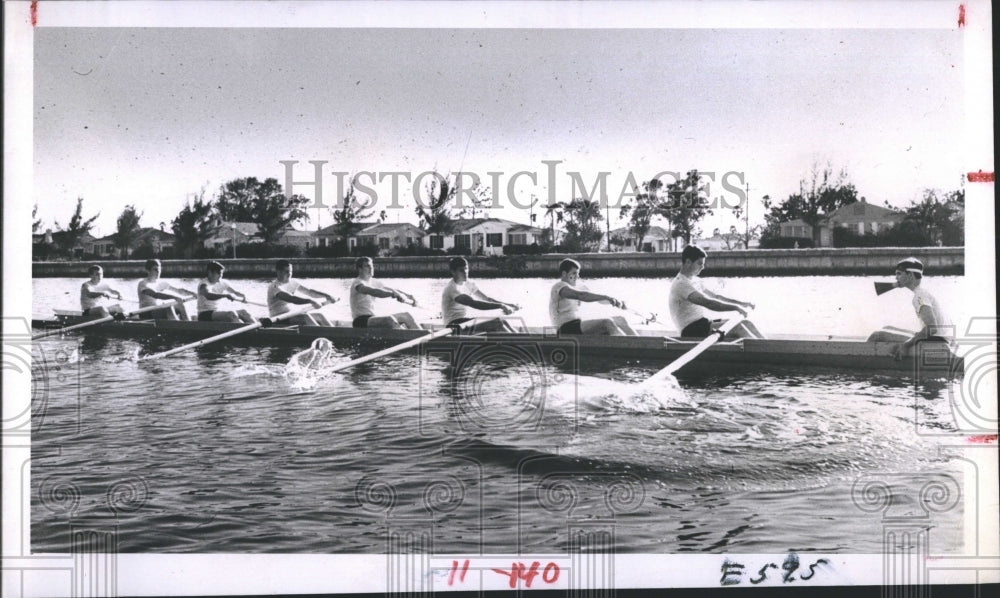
x=607 y=212
x=746 y=209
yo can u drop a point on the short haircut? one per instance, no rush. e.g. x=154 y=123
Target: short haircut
x=151 y=263
x=282 y=265
x=94 y=268
x=692 y=253
x=457 y=263
x=567 y=264
x=361 y=261
x=214 y=266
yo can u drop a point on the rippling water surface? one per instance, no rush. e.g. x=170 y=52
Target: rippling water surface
x=220 y=450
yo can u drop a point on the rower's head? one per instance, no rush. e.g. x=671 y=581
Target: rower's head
x=214 y=271
x=153 y=268
x=909 y=272
x=459 y=267
x=693 y=260
x=569 y=271
x=283 y=269
x=96 y=273
x=365 y=266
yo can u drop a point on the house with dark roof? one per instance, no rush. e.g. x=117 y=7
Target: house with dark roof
x=388 y=236
x=232 y=234
x=860 y=217
x=330 y=235
x=486 y=236
x=656 y=240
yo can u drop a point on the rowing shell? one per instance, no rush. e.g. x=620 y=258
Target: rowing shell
x=844 y=353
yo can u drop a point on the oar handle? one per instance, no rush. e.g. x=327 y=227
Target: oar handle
x=392 y=349
x=882 y=288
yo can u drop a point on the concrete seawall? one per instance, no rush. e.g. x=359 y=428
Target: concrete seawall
x=767 y=262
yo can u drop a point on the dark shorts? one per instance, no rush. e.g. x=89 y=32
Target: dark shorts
x=700 y=328
x=571 y=327
x=361 y=321
x=86 y=312
x=156 y=314
x=457 y=324
x=205 y=316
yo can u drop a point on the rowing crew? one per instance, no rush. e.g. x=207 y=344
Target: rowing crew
x=688 y=299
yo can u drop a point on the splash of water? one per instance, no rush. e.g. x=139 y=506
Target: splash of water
x=305 y=369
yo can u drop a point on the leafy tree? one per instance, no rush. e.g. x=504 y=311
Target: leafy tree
x=351 y=213
x=127 y=230
x=196 y=223
x=686 y=205
x=641 y=210
x=825 y=193
x=747 y=233
x=78 y=227
x=936 y=219
x=583 y=225
x=437 y=217
x=263 y=203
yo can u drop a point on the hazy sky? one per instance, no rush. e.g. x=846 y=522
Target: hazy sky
x=149 y=116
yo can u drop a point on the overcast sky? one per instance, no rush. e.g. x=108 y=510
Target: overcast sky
x=150 y=116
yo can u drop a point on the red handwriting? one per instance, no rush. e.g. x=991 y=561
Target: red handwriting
x=961 y=15
x=461 y=574
x=518 y=572
x=34 y=12
x=979 y=177
x=983 y=439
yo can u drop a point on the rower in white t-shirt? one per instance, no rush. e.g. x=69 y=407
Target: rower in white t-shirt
x=213 y=289
x=365 y=289
x=689 y=299
x=460 y=294
x=284 y=293
x=937 y=327
x=153 y=291
x=564 y=304
x=94 y=295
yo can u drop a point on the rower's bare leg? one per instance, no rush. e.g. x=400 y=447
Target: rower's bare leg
x=225 y=316
x=383 y=322
x=98 y=312
x=182 y=313
x=407 y=320
x=622 y=323
x=245 y=316
x=752 y=329
x=492 y=325
x=320 y=319
x=889 y=335
x=603 y=326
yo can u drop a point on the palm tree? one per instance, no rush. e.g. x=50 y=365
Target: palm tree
x=554 y=212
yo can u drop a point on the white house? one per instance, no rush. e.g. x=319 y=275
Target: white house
x=485 y=235
x=388 y=236
x=657 y=240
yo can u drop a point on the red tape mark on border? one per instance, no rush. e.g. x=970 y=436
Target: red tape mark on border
x=961 y=15
x=34 y=12
x=983 y=439
x=979 y=177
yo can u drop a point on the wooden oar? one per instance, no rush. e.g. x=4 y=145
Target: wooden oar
x=882 y=288
x=696 y=350
x=392 y=349
x=234 y=332
x=102 y=320
x=253 y=303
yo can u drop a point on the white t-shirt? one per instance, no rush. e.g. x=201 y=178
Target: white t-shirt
x=144 y=299
x=363 y=304
x=275 y=306
x=562 y=310
x=922 y=297
x=87 y=302
x=451 y=310
x=681 y=309
x=219 y=288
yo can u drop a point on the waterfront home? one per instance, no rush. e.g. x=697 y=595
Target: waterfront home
x=860 y=217
x=388 y=237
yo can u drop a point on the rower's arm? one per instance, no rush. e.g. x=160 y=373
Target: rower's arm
x=317 y=294
x=207 y=294
x=376 y=292
x=181 y=291
x=477 y=304
x=97 y=294
x=571 y=293
x=699 y=298
x=289 y=298
x=161 y=295
x=926 y=315
x=724 y=299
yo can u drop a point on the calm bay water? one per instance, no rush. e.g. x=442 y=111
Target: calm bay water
x=218 y=450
